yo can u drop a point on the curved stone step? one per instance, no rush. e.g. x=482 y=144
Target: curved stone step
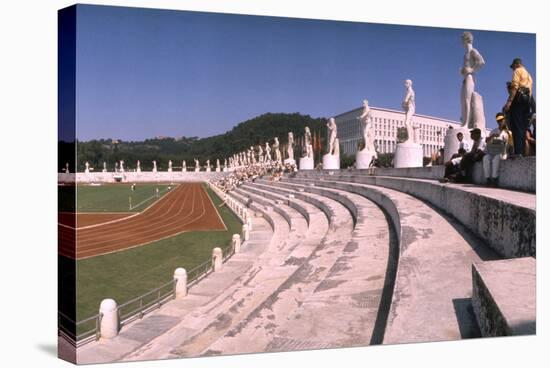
x=332 y=281
x=432 y=294
x=205 y=324
x=346 y=309
x=490 y=213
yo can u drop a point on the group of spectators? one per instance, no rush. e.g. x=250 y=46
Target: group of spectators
x=272 y=170
x=512 y=137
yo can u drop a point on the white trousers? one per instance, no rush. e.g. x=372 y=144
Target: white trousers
x=490 y=165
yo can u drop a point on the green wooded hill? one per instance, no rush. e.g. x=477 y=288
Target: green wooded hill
x=251 y=132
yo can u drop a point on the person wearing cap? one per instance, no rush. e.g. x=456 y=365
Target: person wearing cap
x=497 y=141
x=518 y=105
x=476 y=154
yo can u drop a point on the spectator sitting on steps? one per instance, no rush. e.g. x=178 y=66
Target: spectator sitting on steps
x=452 y=168
x=462 y=143
x=476 y=154
x=497 y=146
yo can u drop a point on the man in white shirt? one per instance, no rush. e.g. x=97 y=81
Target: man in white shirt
x=497 y=142
x=462 y=143
x=476 y=154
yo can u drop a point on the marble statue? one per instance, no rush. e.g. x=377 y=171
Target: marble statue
x=121 y=166
x=138 y=166
x=408 y=105
x=267 y=152
x=276 y=149
x=367 y=127
x=260 y=153
x=183 y=166
x=169 y=165
x=333 y=132
x=197 y=167
x=309 y=147
x=87 y=170
x=470 y=100
x=208 y=163
x=218 y=163
x=154 y=166
x=104 y=166
x=290 y=147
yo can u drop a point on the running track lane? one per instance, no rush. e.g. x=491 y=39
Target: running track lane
x=185 y=208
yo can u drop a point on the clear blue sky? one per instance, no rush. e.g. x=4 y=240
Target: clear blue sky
x=143 y=73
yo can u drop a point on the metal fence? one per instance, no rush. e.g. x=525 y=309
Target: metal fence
x=88 y=329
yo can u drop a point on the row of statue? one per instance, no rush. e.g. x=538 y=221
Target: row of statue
x=472 y=116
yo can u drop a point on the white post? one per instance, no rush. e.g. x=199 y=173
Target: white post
x=180 y=275
x=109 y=321
x=246 y=234
x=236 y=243
x=217 y=259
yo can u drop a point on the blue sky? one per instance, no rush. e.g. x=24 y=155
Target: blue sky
x=143 y=73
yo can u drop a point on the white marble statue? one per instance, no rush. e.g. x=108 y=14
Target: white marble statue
x=367 y=127
x=154 y=166
x=290 y=147
x=267 y=152
x=104 y=166
x=473 y=62
x=169 y=165
x=332 y=134
x=409 y=107
x=218 y=163
x=197 y=167
x=309 y=147
x=121 y=166
x=208 y=164
x=260 y=153
x=225 y=163
x=87 y=169
x=183 y=166
x=138 y=166
x=276 y=149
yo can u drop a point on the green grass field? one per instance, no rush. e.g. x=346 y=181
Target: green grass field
x=115 y=197
x=125 y=275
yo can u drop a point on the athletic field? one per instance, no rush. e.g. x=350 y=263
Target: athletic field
x=124 y=259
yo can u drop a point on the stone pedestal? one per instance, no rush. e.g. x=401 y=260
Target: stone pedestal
x=217 y=169
x=109 y=321
x=306 y=163
x=290 y=161
x=181 y=285
x=451 y=141
x=208 y=169
x=408 y=155
x=363 y=158
x=331 y=162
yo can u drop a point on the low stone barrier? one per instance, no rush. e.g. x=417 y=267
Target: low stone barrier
x=504 y=296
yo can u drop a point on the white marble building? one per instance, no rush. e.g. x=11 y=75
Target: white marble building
x=386 y=121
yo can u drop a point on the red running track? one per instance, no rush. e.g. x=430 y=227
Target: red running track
x=186 y=208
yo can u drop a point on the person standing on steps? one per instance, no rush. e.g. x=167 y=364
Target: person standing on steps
x=518 y=105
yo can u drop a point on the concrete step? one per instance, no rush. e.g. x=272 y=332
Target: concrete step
x=490 y=213
x=504 y=296
x=260 y=328
x=431 y=299
x=347 y=308
x=195 y=333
